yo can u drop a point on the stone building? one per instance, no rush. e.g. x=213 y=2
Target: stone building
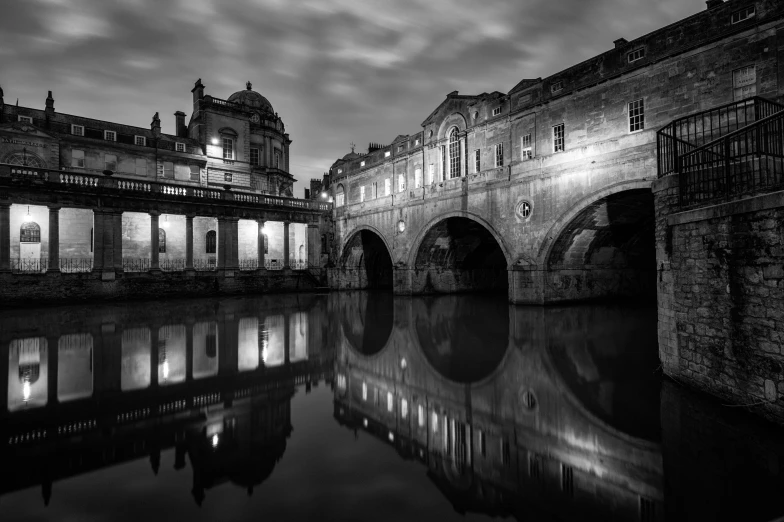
x=228 y=168
x=543 y=191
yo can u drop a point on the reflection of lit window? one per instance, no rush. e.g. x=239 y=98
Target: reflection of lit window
x=364 y=391
x=435 y=422
x=389 y=401
x=421 y=415
x=404 y=408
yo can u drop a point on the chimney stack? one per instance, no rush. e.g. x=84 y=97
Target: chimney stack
x=155 y=126
x=180 y=129
x=198 y=94
x=2 y=103
x=620 y=42
x=714 y=3
x=49 y=104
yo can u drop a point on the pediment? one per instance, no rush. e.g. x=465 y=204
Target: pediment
x=26 y=130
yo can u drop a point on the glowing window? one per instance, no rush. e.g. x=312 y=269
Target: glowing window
x=499 y=155
x=364 y=391
x=361 y=194
x=454 y=154
x=558 y=138
x=404 y=408
x=390 y=401
x=387 y=186
x=421 y=415
x=435 y=422
x=228 y=148
x=525 y=147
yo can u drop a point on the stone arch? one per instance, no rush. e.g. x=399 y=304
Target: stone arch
x=27 y=159
x=366 y=258
x=455 y=119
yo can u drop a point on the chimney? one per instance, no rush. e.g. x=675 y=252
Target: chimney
x=179 y=125
x=49 y=104
x=2 y=103
x=620 y=42
x=712 y=4
x=198 y=93
x=155 y=126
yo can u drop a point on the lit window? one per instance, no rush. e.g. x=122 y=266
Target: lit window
x=743 y=14
x=228 y=148
x=364 y=391
x=557 y=86
x=636 y=116
x=141 y=167
x=443 y=163
x=227 y=176
x=416 y=142
x=386 y=154
x=496 y=111
x=110 y=162
x=435 y=422
x=499 y=155
x=404 y=408
x=387 y=186
x=210 y=242
x=340 y=171
x=390 y=401
x=26 y=119
x=558 y=138
x=431 y=174
x=361 y=194
x=168 y=170
x=361 y=163
x=254 y=156
x=194 y=174
x=109 y=135
x=341 y=382
x=340 y=199
x=637 y=54
x=525 y=147
x=140 y=141
x=161 y=241
x=417 y=178
x=744 y=82
x=421 y=415
x=477 y=161
x=179 y=147
x=77 y=158
x=401 y=182
x=454 y=154
x=77 y=130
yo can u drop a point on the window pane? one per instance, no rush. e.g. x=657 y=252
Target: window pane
x=454 y=155
x=141 y=167
x=194 y=172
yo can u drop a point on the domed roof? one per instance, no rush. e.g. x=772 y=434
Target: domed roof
x=252 y=99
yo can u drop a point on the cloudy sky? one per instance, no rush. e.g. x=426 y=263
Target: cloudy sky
x=337 y=71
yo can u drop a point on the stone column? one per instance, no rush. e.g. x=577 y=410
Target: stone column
x=220 y=254
x=54 y=240
x=314 y=246
x=260 y=243
x=286 y=244
x=235 y=243
x=188 y=242
x=154 y=245
x=463 y=162
x=98 y=247
x=5 y=237
x=116 y=222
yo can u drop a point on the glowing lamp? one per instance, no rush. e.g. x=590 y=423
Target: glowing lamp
x=214 y=141
x=215 y=440
x=403 y=363
x=26 y=391
x=263 y=230
x=323 y=195
x=28 y=217
x=391 y=437
x=165 y=370
x=364 y=422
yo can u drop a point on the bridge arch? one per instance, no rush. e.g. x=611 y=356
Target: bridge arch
x=366 y=259
x=457 y=252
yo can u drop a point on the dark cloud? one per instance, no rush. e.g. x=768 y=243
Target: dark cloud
x=336 y=70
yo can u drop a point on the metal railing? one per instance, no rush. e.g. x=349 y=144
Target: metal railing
x=273 y=264
x=745 y=161
x=298 y=264
x=136 y=264
x=249 y=264
x=172 y=265
x=76 y=265
x=684 y=135
x=206 y=264
x=29 y=265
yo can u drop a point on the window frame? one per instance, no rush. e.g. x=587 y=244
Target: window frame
x=198 y=172
x=136 y=166
x=25 y=119
x=499 y=155
x=556 y=87
x=136 y=139
x=230 y=150
x=84 y=161
x=559 y=139
x=401 y=182
x=108 y=133
x=635 y=55
x=497 y=111
x=165 y=170
x=431 y=173
x=81 y=127
x=455 y=163
x=636 y=120
x=258 y=156
x=211 y=242
x=387 y=186
x=179 y=147
x=741 y=13
x=106 y=161
x=362 y=194
x=526 y=146
x=161 y=241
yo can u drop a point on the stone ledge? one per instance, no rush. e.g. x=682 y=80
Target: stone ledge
x=768 y=201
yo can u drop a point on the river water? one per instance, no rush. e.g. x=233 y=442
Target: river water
x=360 y=406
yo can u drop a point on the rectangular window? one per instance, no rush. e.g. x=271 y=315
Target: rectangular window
x=374 y=194
x=499 y=155
x=228 y=176
x=416 y=142
x=340 y=199
x=228 y=148
x=636 y=116
x=482 y=443
x=109 y=135
x=77 y=130
x=388 y=186
x=386 y=154
x=390 y=401
x=179 y=147
x=417 y=178
x=340 y=171
x=400 y=148
x=525 y=147
x=26 y=119
x=194 y=172
x=421 y=415
x=141 y=167
x=182 y=172
x=110 y=162
x=77 y=158
x=254 y=156
x=477 y=161
x=496 y=111
x=361 y=194
x=361 y=163
x=431 y=174
x=168 y=170
x=401 y=182
x=637 y=54
x=557 y=86
x=744 y=82
x=435 y=422
x=558 y=138
x=743 y=14
x=364 y=391
x=404 y=408
x=140 y=141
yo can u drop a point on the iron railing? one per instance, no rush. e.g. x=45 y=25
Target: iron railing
x=172 y=265
x=136 y=264
x=249 y=264
x=273 y=264
x=685 y=135
x=205 y=264
x=29 y=265
x=76 y=265
x=298 y=264
x=747 y=160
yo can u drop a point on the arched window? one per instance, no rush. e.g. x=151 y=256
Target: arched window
x=30 y=232
x=340 y=196
x=26 y=159
x=161 y=241
x=211 y=242
x=454 y=154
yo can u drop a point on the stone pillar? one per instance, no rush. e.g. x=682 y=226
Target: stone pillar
x=154 y=244
x=286 y=244
x=260 y=243
x=54 y=240
x=188 y=242
x=234 y=230
x=98 y=219
x=221 y=244
x=463 y=162
x=314 y=246
x=527 y=284
x=5 y=237
x=116 y=223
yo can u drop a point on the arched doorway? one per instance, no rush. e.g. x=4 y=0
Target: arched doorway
x=366 y=261
x=30 y=241
x=458 y=254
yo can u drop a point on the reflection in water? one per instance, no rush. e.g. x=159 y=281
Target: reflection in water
x=518 y=412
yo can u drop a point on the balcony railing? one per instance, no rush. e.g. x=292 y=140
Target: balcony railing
x=249 y=264
x=29 y=265
x=298 y=264
x=273 y=264
x=76 y=265
x=684 y=135
x=172 y=265
x=136 y=264
x=206 y=264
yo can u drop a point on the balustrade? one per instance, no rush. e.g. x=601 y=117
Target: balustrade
x=172 y=265
x=29 y=265
x=76 y=265
x=249 y=264
x=133 y=264
x=138 y=186
x=77 y=179
x=273 y=264
x=205 y=264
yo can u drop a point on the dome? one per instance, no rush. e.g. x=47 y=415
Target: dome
x=251 y=98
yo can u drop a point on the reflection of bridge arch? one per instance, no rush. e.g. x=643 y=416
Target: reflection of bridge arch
x=374 y=308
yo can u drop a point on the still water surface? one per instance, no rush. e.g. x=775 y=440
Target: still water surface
x=358 y=406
